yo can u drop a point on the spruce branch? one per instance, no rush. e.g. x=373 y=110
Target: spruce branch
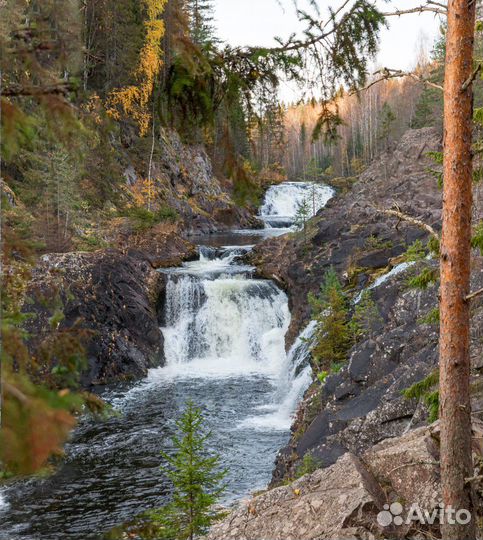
x=388 y=73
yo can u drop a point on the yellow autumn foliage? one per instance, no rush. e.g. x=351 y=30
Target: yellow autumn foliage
x=133 y=100
x=144 y=193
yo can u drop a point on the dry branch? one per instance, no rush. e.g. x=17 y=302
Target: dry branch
x=18 y=90
x=430 y=6
x=409 y=219
x=387 y=73
x=473 y=295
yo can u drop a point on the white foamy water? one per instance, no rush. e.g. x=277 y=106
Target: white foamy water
x=295 y=379
x=220 y=325
x=3 y=502
x=230 y=325
x=399 y=269
x=282 y=201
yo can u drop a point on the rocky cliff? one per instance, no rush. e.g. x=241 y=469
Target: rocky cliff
x=375 y=495
x=351 y=234
x=113 y=294
x=116 y=293
x=184 y=180
x=363 y=403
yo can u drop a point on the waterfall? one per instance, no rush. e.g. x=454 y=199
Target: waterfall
x=399 y=269
x=282 y=201
x=295 y=379
x=219 y=322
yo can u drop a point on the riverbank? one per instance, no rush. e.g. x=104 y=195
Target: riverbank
x=221 y=332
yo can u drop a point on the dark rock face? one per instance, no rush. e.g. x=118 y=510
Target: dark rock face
x=363 y=404
x=187 y=183
x=351 y=234
x=113 y=294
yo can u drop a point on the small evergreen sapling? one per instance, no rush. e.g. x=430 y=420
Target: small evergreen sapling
x=197 y=481
x=302 y=216
x=331 y=311
x=366 y=319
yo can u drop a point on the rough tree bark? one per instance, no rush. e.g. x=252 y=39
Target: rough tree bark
x=455 y=408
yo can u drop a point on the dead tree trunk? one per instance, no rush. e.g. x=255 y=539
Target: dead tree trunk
x=455 y=409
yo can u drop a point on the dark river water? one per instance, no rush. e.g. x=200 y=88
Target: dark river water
x=224 y=345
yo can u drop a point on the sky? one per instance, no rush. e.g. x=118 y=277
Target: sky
x=256 y=22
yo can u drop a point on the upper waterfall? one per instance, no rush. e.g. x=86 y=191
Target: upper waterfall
x=282 y=201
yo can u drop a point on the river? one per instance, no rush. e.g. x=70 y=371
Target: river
x=224 y=335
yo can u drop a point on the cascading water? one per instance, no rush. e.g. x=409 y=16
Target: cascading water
x=224 y=337
x=224 y=346
x=3 y=503
x=283 y=201
x=295 y=379
x=223 y=324
x=399 y=269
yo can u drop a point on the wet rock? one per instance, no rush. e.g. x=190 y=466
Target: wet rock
x=113 y=294
x=351 y=234
x=363 y=404
x=344 y=500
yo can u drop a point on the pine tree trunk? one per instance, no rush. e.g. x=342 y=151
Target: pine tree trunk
x=455 y=409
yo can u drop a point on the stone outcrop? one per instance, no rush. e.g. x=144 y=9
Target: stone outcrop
x=344 y=501
x=351 y=234
x=363 y=404
x=184 y=177
x=115 y=295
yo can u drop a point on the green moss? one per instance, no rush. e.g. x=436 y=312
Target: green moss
x=308 y=465
x=143 y=219
x=432 y=317
x=373 y=242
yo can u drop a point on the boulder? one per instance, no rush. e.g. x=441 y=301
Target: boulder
x=113 y=295
x=355 y=498
x=332 y=503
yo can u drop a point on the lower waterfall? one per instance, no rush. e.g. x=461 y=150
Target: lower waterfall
x=224 y=326
x=224 y=344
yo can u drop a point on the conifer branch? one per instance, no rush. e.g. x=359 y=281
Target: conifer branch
x=473 y=295
x=387 y=73
x=469 y=81
x=430 y=6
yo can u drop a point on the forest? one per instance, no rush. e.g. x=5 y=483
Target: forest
x=204 y=285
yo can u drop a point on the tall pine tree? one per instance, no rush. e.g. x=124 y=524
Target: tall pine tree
x=201 y=20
